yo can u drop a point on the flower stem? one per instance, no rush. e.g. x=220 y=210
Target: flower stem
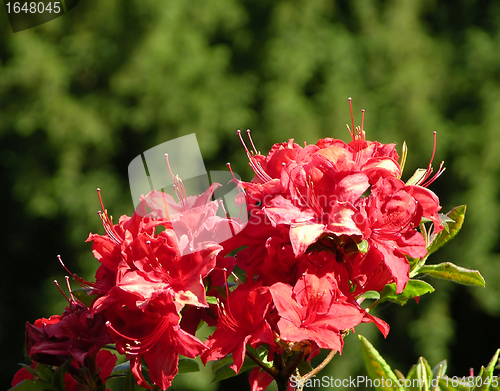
x=320 y=366
x=261 y=364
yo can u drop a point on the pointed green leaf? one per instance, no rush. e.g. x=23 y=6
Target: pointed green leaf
x=412 y=373
x=413 y=289
x=31 y=385
x=44 y=372
x=187 y=365
x=486 y=375
x=129 y=382
x=58 y=378
x=483 y=381
x=224 y=372
x=404 y=154
x=211 y=299
x=493 y=362
x=416 y=177
x=450 y=271
x=216 y=365
x=445 y=219
x=376 y=366
x=122 y=368
x=438 y=372
x=424 y=373
x=399 y=375
x=457 y=215
x=370 y=295
x=452 y=384
x=420 y=377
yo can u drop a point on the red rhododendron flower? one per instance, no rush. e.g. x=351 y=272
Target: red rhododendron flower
x=149 y=264
x=327 y=222
x=155 y=337
x=242 y=321
x=22 y=374
x=76 y=334
x=314 y=310
x=157 y=273
x=393 y=213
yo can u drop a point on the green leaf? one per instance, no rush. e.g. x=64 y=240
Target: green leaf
x=129 y=382
x=457 y=215
x=449 y=271
x=492 y=364
x=439 y=371
x=399 y=375
x=420 y=376
x=413 y=289
x=216 y=365
x=58 y=378
x=376 y=366
x=187 y=365
x=44 y=372
x=122 y=368
x=414 y=377
x=211 y=300
x=370 y=295
x=83 y=296
x=424 y=373
x=486 y=375
x=452 y=384
x=417 y=176
x=483 y=381
x=224 y=372
x=404 y=154
x=304 y=367
x=31 y=385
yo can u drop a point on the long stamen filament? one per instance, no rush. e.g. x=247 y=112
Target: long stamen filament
x=64 y=294
x=352 y=120
x=145 y=344
x=251 y=141
x=107 y=222
x=80 y=281
x=256 y=167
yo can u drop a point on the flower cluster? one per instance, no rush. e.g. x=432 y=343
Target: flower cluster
x=327 y=223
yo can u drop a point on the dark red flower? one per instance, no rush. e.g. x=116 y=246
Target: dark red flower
x=76 y=334
x=155 y=337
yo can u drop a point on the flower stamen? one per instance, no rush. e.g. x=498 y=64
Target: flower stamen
x=256 y=167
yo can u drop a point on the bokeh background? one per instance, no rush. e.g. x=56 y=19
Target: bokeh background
x=82 y=95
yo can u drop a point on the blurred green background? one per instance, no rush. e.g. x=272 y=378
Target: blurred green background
x=82 y=95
